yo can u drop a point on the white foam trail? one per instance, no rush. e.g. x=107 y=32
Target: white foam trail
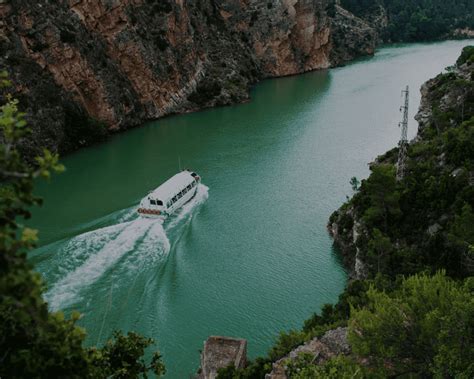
x=67 y=289
x=128 y=214
x=154 y=246
x=81 y=247
x=139 y=242
x=200 y=197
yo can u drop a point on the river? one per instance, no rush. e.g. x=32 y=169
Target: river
x=250 y=255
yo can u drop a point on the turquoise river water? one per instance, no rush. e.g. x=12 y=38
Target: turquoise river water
x=249 y=256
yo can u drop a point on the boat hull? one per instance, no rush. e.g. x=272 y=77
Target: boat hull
x=149 y=213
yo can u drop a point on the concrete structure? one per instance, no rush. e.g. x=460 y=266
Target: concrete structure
x=220 y=352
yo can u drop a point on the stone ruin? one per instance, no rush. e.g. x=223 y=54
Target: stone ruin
x=220 y=352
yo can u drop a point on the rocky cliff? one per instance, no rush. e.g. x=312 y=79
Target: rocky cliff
x=319 y=350
x=423 y=221
x=84 y=68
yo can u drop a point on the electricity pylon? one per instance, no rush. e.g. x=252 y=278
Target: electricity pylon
x=403 y=144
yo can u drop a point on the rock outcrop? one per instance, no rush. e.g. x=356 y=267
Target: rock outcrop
x=351 y=36
x=83 y=68
x=332 y=343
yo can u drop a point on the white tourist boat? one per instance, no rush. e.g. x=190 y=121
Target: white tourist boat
x=170 y=196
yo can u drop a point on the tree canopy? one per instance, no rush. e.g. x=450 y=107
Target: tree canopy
x=417 y=20
x=424 y=328
x=34 y=342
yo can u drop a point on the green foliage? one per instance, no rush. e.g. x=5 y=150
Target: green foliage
x=35 y=343
x=462 y=228
x=425 y=328
x=379 y=250
x=286 y=342
x=340 y=367
x=333 y=316
x=459 y=144
x=462 y=236
x=417 y=20
x=467 y=55
x=255 y=370
x=383 y=195
x=354 y=183
x=229 y=372
x=122 y=358
x=4 y=81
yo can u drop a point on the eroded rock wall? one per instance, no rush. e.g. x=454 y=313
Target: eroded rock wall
x=84 y=68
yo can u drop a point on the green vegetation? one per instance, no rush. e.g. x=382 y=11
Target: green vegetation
x=355 y=183
x=415 y=20
x=467 y=55
x=424 y=328
x=336 y=368
x=34 y=342
x=424 y=222
x=254 y=370
x=412 y=313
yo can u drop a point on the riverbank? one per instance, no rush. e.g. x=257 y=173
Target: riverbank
x=393 y=233
x=271 y=154
x=83 y=70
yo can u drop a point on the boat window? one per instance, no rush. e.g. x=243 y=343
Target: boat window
x=152 y=202
x=180 y=195
x=193 y=174
x=189 y=187
x=174 y=199
x=159 y=202
x=168 y=204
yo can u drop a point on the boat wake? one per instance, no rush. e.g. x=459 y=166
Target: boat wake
x=116 y=251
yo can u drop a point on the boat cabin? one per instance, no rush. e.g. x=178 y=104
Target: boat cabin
x=171 y=195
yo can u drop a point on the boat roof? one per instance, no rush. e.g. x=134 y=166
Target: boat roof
x=172 y=186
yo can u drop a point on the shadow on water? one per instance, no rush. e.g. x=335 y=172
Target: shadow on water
x=337 y=254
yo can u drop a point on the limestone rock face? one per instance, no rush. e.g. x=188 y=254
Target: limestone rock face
x=351 y=37
x=333 y=343
x=84 y=68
